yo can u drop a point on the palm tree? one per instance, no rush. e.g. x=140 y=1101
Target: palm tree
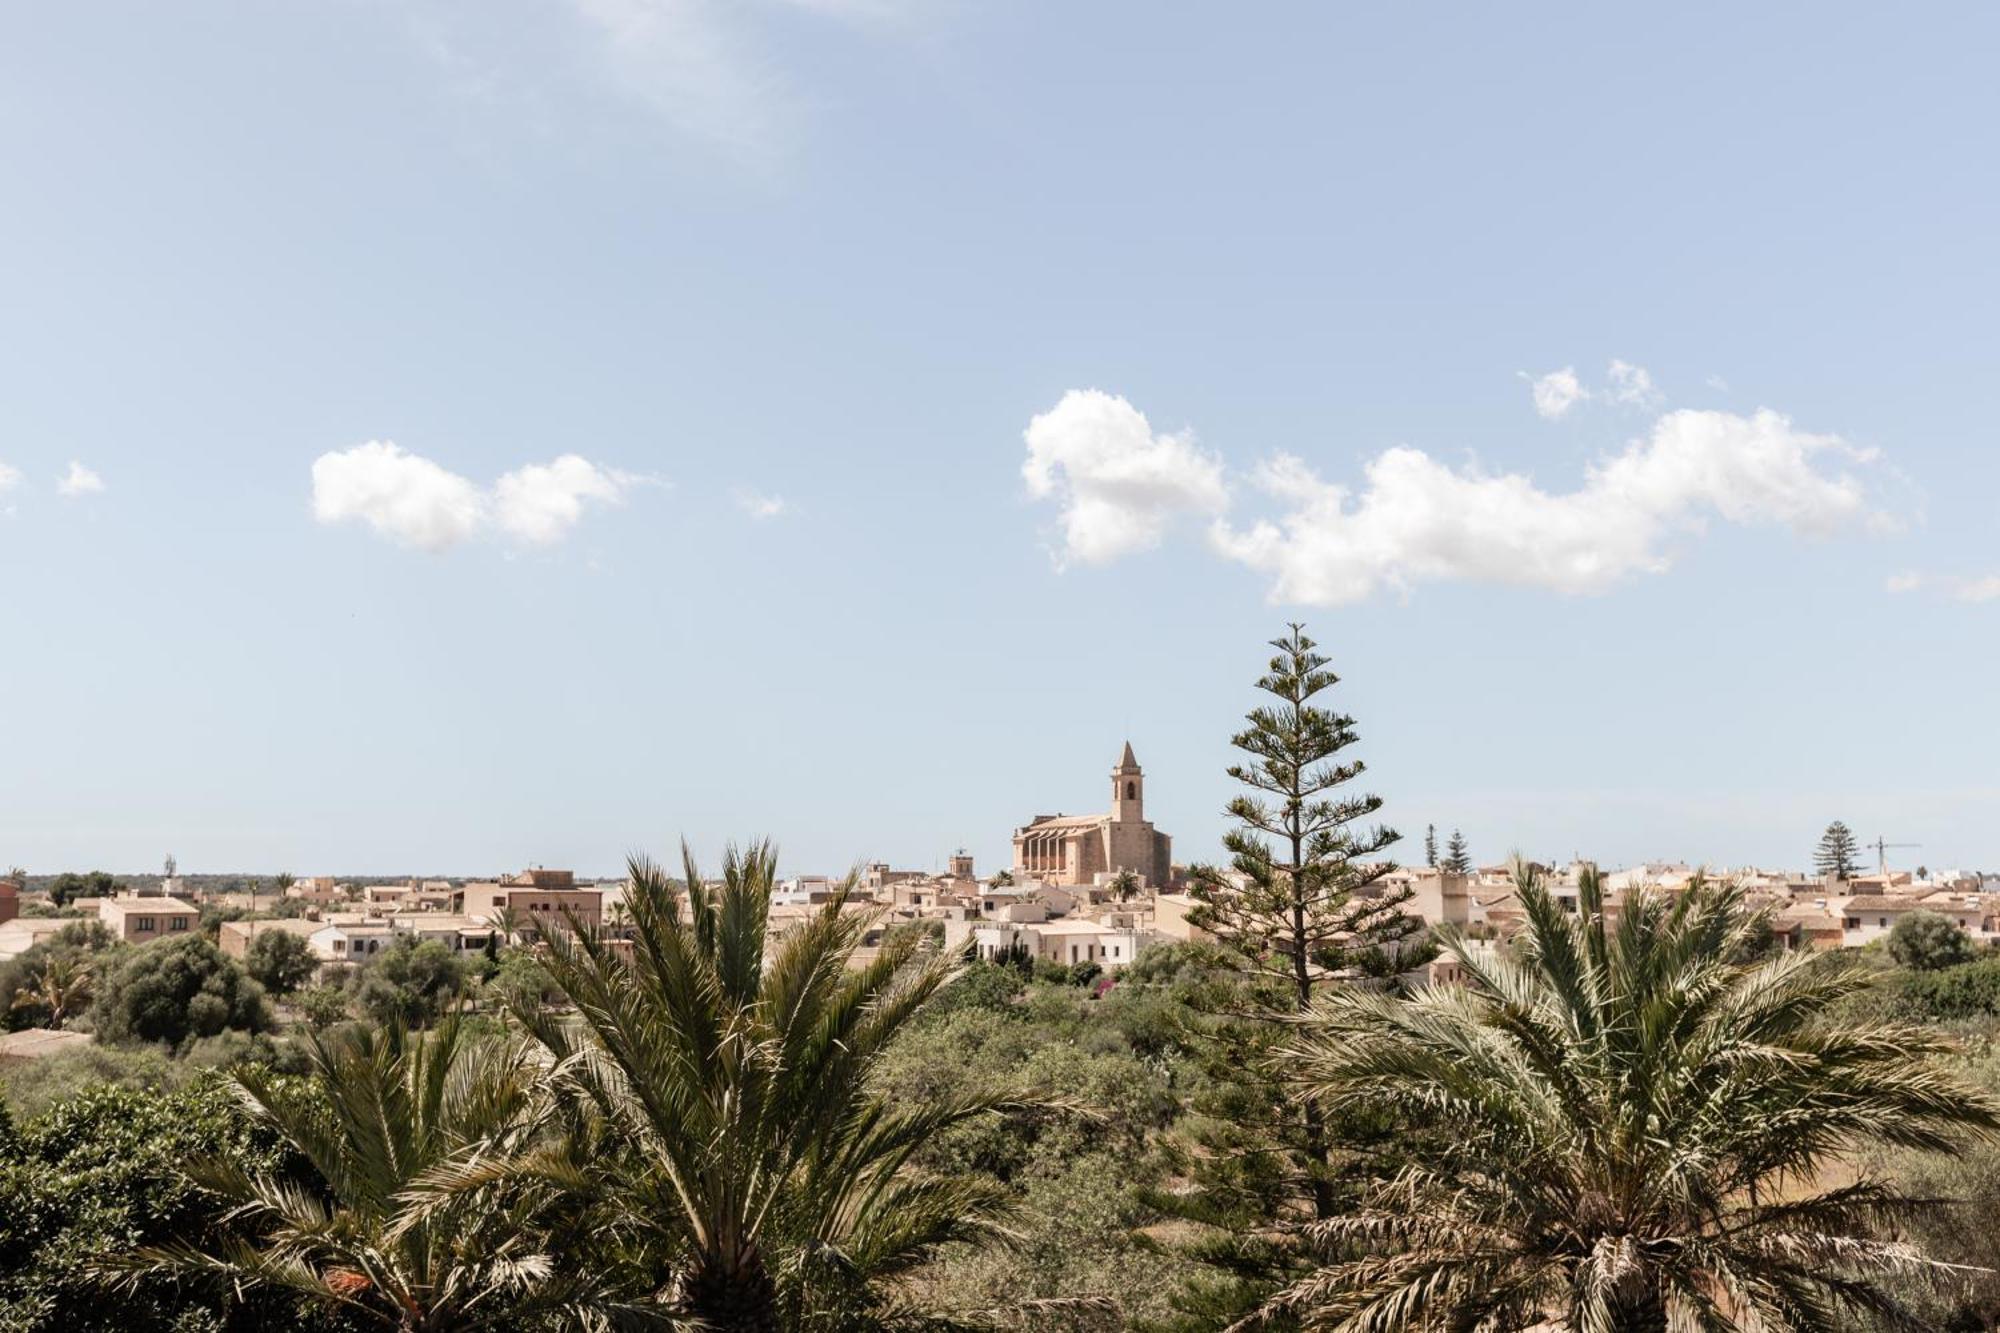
x=384 y=1111
x=1623 y=1128
x=732 y=1133
x=1125 y=884
x=59 y=985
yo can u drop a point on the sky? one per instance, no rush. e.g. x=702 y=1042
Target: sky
x=453 y=435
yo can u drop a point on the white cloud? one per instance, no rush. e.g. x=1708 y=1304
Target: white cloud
x=10 y=477
x=413 y=501
x=1983 y=589
x=1417 y=520
x=1118 y=483
x=1632 y=386
x=79 y=480
x=406 y=498
x=1556 y=392
x=760 y=506
x=1625 y=384
x=540 y=503
x=1717 y=383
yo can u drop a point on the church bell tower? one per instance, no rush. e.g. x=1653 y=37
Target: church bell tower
x=1128 y=790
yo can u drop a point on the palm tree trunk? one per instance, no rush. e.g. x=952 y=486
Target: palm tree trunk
x=732 y=1297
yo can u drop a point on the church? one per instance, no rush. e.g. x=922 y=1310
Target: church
x=1076 y=849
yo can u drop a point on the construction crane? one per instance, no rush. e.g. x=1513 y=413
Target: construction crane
x=1882 y=847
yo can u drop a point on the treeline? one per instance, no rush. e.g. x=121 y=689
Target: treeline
x=1630 y=1118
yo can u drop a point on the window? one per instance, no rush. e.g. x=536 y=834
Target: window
x=1881 y=920
x=1854 y=923
x=143 y=924
x=1131 y=791
x=340 y=946
x=178 y=923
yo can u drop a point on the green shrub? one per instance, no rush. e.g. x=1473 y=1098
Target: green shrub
x=178 y=988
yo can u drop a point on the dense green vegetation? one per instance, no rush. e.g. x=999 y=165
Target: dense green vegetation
x=1620 y=1123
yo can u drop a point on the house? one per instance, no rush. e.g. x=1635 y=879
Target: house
x=1170 y=919
x=234 y=938
x=319 y=890
x=139 y=920
x=350 y=941
x=539 y=899
x=1871 y=916
x=10 y=901
x=24 y=933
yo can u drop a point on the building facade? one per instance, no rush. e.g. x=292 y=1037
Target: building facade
x=1076 y=849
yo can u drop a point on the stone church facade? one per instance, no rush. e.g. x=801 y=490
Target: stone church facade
x=1075 y=849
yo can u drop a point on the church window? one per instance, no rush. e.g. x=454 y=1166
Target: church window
x=1131 y=791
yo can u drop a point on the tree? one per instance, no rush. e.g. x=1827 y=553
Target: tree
x=56 y=986
x=382 y=1113
x=725 y=1105
x=54 y=980
x=280 y=961
x=410 y=982
x=1431 y=845
x=178 y=988
x=1125 y=884
x=1929 y=942
x=67 y=887
x=1457 y=860
x=101 y=1172
x=1625 y=1129
x=321 y=1006
x=1303 y=910
x=1002 y=879
x=1298 y=910
x=1837 y=856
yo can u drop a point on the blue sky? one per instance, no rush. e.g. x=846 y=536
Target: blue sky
x=708 y=338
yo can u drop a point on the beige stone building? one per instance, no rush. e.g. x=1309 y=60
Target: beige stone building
x=543 y=900
x=138 y=920
x=1075 y=849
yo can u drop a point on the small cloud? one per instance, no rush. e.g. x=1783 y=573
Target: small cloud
x=760 y=506
x=1556 y=392
x=1717 y=383
x=10 y=477
x=1978 y=590
x=79 y=480
x=399 y=495
x=1626 y=385
x=1984 y=588
x=415 y=502
x=540 y=503
x=1119 y=483
x=1632 y=385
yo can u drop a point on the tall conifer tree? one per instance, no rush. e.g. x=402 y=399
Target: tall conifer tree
x=1431 y=845
x=1837 y=856
x=1457 y=860
x=1302 y=908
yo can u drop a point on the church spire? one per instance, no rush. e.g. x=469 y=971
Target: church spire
x=1127 y=763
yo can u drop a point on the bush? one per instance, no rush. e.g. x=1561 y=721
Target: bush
x=280 y=961
x=409 y=983
x=178 y=988
x=1969 y=990
x=101 y=1173
x=321 y=1006
x=1928 y=942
